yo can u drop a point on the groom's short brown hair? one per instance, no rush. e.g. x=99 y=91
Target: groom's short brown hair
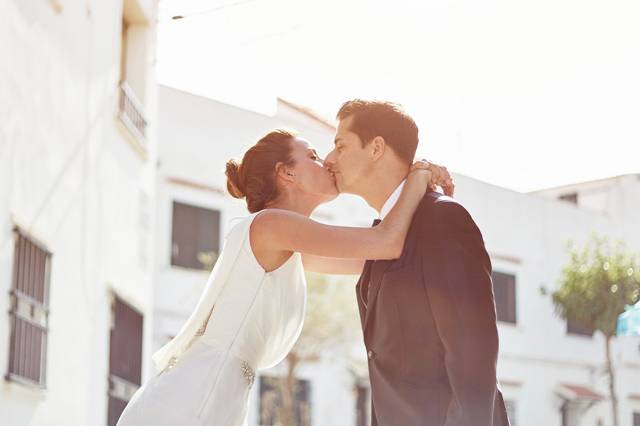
x=386 y=119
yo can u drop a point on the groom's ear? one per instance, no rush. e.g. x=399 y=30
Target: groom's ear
x=377 y=147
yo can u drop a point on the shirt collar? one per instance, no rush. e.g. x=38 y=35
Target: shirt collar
x=392 y=200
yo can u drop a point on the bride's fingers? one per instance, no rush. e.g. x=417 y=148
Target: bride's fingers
x=449 y=188
x=444 y=174
x=441 y=177
x=438 y=176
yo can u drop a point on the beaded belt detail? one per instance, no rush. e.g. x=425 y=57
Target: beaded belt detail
x=172 y=362
x=248 y=373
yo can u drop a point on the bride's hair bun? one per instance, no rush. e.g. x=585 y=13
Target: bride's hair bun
x=234 y=184
x=255 y=177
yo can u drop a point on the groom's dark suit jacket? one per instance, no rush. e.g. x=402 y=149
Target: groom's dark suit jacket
x=429 y=325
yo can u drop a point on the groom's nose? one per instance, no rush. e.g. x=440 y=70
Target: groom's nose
x=329 y=161
x=328 y=166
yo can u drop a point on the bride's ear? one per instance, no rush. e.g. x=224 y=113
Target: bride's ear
x=284 y=172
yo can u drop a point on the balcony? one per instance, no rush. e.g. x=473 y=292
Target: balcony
x=131 y=114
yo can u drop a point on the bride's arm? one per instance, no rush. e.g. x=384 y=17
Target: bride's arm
x=283 y=230
x=332 y=265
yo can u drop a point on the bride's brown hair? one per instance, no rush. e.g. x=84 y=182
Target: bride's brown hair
x=255 y=177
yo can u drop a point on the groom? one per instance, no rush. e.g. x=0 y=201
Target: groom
x=428 y=318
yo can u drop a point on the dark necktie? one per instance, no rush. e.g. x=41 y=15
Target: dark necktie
x=364 y=289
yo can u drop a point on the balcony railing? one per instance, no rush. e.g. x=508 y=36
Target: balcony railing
x=130 y=112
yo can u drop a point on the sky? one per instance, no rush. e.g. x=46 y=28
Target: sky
x=521 y=94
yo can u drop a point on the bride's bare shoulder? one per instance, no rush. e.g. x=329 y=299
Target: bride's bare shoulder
x=268 y=218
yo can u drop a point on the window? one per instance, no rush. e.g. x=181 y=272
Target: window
x=564 y=413
x=125 y=357
x=195 y=241
x=362 y=405
x=580 y=329
x=570 y=198
x=271 y=402
x=504 y=289
x=29 y=311
x=511 y=412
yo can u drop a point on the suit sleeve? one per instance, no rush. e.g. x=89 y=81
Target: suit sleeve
x=456 y=274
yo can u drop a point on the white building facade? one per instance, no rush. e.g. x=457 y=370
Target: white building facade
x=553 y=374
x=550 y=374
x=77 y=165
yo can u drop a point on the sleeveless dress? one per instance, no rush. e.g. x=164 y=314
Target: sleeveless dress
x=254 y=319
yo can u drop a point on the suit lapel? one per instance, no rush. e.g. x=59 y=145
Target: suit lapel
x=378 y=268
x=364 y=277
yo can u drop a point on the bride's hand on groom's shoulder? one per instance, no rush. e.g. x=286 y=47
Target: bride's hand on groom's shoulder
x=420 y=176
x=437 y=175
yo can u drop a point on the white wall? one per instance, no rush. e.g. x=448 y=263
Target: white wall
x=72 y=176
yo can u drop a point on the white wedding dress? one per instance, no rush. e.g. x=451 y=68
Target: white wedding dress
x=247 y=319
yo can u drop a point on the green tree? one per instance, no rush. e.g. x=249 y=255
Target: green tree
x=600 y=279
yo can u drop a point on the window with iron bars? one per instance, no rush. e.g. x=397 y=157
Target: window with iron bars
x=29 y=311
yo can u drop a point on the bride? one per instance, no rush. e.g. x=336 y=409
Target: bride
x=252 y=308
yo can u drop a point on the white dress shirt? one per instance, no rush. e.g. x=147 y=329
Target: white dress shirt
x=392 y=200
